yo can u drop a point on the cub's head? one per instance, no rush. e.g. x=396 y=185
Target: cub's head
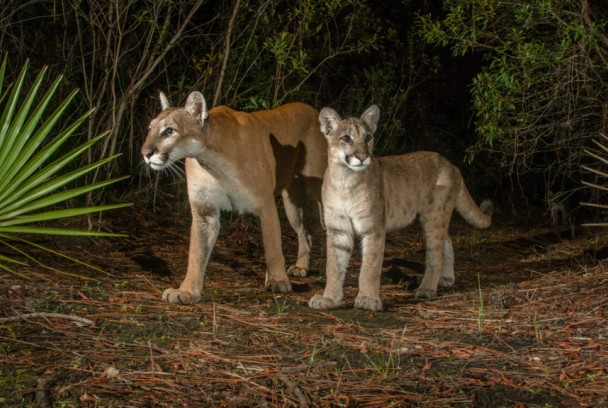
x=176 y=132
x=350 y=140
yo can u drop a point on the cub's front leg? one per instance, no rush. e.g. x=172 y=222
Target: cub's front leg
x=371 y=268
x=339 y=248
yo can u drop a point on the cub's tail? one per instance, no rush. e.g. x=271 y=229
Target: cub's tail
x=480 y=217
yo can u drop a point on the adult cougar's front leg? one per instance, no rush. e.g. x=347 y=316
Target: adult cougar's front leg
x=276 y=277
x=206 y=198
x=203 y=234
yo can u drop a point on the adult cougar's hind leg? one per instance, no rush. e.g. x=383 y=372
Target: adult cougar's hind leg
x=276 y=277
x=447 y=275
x=294 y=200
x=315 y=185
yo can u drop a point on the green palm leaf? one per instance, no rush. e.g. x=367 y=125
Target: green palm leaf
x=28 y=167
x=34 y=176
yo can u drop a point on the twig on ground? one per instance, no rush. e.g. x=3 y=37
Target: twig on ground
x=44 y=398
x=77 y=319
x=294 y=390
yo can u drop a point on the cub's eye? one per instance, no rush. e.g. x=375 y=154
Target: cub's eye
x=168 y=132
x=367 y=138
x=346 y=139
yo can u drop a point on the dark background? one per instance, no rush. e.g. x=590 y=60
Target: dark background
x=433 y=67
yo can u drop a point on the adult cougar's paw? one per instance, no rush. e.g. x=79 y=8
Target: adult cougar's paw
x=281 y=286
x=446 y=282
x=320 y=302
x=297 y=271
x=180 y=297
x=425 y=293
x=367 y=303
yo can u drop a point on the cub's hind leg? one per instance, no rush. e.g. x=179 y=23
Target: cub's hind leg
x=294 y=201
x=435 y=225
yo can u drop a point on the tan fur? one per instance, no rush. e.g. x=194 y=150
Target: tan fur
x=363 y=197
x=237 y=161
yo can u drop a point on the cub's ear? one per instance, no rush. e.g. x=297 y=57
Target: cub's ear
x=196 y=106
x=164 y=101
x=370 y=117
x=329 y=120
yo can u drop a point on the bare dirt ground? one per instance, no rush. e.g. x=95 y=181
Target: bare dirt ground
x=525 y=325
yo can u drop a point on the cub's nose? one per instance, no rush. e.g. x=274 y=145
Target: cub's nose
x=362 y=156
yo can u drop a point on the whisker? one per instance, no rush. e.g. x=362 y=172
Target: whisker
x=177 y=171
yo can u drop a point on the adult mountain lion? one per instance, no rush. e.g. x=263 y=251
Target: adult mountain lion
x=237 y=161
x=363 y=197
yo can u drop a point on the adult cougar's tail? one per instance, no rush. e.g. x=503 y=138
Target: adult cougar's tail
x=480 y=217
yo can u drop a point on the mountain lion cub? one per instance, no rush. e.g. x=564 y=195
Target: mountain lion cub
x=237 y=161
x=363 y=197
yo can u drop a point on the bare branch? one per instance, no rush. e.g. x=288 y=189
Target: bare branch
x=218 y=88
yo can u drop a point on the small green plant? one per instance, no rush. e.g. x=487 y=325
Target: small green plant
x=280 y=304
x=386 y=364
x=381 y=363
x=120 y=285
x=481 y=315
x=11 y=332
x=313 y=353
x=591 y=377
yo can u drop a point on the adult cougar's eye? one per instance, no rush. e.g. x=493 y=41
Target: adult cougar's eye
x=168 y=132
x=346 y=139
x=367 y=138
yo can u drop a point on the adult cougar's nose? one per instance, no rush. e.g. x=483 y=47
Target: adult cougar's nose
x=147 y=152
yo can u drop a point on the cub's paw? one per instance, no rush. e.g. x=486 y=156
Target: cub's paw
x=297 y=271
x=180 y=297
x=367 y=303
x=320 y=302
x=425 y=293
x=446 y=282
x=282 y=286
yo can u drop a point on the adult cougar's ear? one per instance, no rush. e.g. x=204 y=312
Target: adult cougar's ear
x=196 y=106
x=370 y=117
x=329 y=120
x=164 y=101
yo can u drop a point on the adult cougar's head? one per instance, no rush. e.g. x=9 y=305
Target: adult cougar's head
x=350 y=140
x=176 y=132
